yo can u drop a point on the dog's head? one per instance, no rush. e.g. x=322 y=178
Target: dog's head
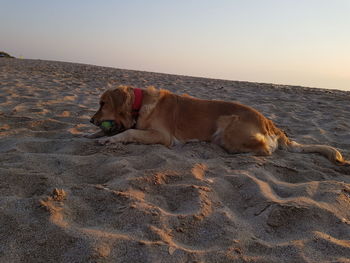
x=115 y=105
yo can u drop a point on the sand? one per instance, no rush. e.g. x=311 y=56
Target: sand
x=65 y=198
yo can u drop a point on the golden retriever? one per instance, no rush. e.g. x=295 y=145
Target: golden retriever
x=162 y=117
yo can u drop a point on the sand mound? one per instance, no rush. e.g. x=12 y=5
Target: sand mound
x=64 y=198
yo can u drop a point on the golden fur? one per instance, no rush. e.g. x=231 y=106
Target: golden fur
x=166 y=118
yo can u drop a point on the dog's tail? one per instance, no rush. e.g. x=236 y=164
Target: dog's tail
x=329 y=152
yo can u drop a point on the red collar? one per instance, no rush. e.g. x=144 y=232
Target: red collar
x=136 y=106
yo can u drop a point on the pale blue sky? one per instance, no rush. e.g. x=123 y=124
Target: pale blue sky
x=300 y=42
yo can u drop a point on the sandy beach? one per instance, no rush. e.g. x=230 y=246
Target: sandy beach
x=65 y=198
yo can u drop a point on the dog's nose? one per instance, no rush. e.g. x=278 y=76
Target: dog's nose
x=92 y=120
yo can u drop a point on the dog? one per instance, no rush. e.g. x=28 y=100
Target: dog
x=157 y=116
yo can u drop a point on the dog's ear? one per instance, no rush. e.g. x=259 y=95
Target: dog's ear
x=117 y=97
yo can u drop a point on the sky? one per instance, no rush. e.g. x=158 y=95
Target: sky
x=294 y=42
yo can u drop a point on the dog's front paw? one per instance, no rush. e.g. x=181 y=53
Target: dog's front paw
x=105 y=141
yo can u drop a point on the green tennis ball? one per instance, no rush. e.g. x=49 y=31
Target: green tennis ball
x=111 y=128
x=106 y=125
